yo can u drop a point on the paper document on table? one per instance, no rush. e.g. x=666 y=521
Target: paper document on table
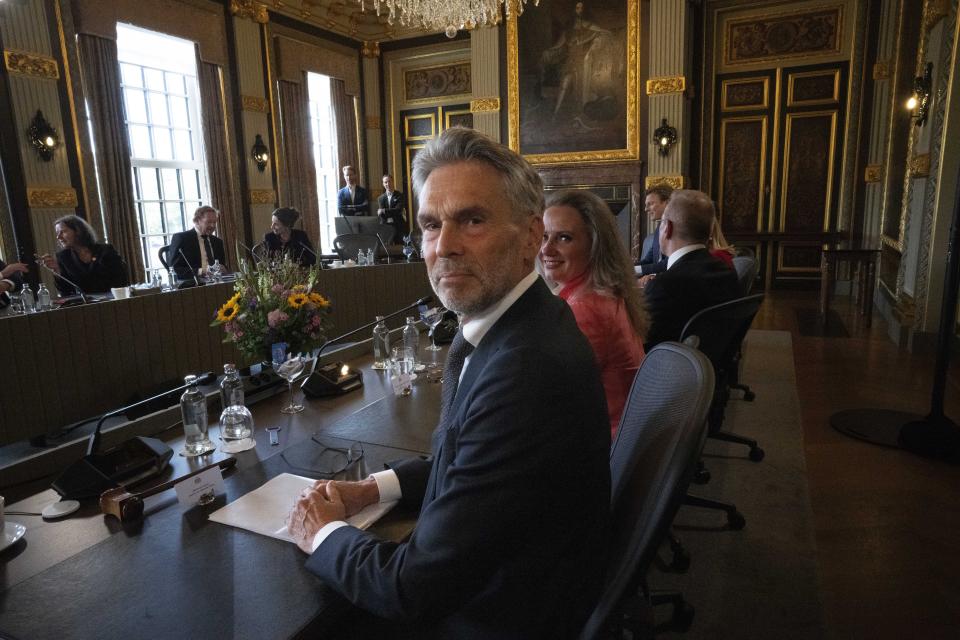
x=265 y=510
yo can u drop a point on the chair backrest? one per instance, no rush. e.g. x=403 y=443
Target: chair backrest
x=721 y=328
x=651 y=462
x=162 y=254
x=349 y=244
x=746 y=268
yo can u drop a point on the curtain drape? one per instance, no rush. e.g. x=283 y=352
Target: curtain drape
x=300 y=186
x=101 y=81
x=223 y=183
x=345 y=117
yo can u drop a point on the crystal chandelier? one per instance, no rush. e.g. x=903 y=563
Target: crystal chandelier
x=448 y=16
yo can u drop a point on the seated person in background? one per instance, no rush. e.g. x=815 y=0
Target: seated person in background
x=390 y=209
x=352 y=200
x=284 y=239
x=499 y=549
x=94 y=267
x=192 y=252
x=582 y=252
x=652 y=261
x=693 y=280
x=11 y=279
x=718 y=245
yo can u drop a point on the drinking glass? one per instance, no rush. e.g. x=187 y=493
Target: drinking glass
x=289 y=369
x=402 y=364
x=432 y=317
x=408 y=251
x=216 y=270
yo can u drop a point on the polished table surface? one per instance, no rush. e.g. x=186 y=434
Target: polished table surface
x=177 y=575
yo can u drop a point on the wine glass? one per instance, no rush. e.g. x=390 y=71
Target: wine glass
x=432 y=316
x=289 y=369
x=216 y=270
x=408 y=251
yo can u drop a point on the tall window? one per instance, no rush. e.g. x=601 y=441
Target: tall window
x=161 y=99
x=324 y=130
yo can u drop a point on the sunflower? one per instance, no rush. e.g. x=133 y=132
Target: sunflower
x=297 y=300
x=228 y=311
x=234 y=300
x=318 y=300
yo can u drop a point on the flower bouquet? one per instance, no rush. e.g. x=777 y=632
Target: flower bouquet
x=275 y=301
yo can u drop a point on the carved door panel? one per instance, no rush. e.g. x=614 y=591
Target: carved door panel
x=776 y=171
x=417 y=128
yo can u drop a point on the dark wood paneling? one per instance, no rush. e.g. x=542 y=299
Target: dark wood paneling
x=808 y=187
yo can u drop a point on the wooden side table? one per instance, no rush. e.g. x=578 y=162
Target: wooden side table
x=865 y=263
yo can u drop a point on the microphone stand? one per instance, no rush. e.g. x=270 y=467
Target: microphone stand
x=67 y=280
x=189 y=266
x=384 y=247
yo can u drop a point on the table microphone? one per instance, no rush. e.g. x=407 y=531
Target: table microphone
x=189 y=266
x=380 y=240
x=253 y=253
x=65 y=279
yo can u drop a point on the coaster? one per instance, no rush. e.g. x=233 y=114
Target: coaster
x=59 y=509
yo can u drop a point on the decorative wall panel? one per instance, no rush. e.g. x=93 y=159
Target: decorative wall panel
x=745 y=94
x=436 y=82
x=814 y=87
x=808 y=180
x=778 y=36
x=743 y=144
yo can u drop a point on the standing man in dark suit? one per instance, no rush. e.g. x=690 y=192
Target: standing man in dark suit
x=501 y=549
x=655 y=201
x=693 y=279
x=352 y=200
x=192 y=252
x=391 y=210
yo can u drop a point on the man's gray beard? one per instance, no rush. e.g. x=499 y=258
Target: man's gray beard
x=484 y=301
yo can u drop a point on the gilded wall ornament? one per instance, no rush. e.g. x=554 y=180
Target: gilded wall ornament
x=436 y=82
x=674 y=182
x=873 y=173
x=30 y=64
x=934 y=11
x=250 y=10
x=253 y=103
x=370 y=49
x=263 y=196
x=920 y=165
x=483 y=105
x=52 y=197
x=373 y=122
x=783 y=35
x=881 y=70
x=665 y=85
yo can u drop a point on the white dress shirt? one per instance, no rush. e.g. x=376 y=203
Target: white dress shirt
x=474 y=329
x=682 y=251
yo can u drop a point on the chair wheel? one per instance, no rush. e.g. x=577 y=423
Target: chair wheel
x=749 y=396
x=681 y=560
x=736 y=521
x=702 y=476
x=756 y=454
x=683 y=613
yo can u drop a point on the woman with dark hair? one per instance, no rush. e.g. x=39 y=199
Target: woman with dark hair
x=93 y=266
x=284 y=239
x=582 y=253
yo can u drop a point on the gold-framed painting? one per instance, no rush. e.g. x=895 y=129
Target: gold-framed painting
x=572 y=76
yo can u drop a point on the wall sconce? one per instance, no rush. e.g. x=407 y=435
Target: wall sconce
x=260 y=153
x=43 y=137
x=919 y=102
x=664 y=137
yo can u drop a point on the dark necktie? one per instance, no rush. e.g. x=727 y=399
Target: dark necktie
x=459 y=350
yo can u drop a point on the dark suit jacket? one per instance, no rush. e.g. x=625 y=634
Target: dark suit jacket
x=298 y=248
x=695 y=282
x=359 y=206
x=189 y=242
x=393 y=213
x=514 y=505
x=107 y=270
x=16 y=279
x=652 y=260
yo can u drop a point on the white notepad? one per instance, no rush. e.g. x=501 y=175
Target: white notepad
x=265 y=510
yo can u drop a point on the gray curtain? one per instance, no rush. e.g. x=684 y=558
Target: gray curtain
x=101 y=81
x=223 y=183
x=346 y=120
x=300 y=186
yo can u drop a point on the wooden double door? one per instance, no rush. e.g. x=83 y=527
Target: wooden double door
x=776 y=168
x=417 y=128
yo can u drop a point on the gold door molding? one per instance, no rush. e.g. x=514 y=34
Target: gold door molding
x=744 y=187
x=813 y=88
x=745 y=94
x=801 y=154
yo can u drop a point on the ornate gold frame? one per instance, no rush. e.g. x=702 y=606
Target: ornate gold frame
x=789 y=119
x=632 y=150
x=764 y=121
x=834 y=97
x=726 y=84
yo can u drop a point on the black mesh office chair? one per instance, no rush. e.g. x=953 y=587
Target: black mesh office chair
x=651 y=461
x=162 y=254
x=348 y=245
x=747 y=268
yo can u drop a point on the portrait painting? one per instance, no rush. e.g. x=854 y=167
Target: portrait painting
x=572 y=81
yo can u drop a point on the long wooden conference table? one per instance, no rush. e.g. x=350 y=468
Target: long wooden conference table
x=177 y=575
